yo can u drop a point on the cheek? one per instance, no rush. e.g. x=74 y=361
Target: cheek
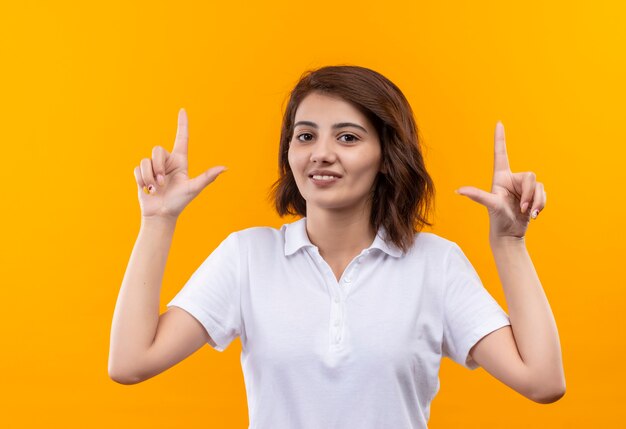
x=365 y=165
x=296 y=160
x=294 y=164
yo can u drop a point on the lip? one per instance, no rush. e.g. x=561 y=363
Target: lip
x=324 y=183
x=324 y=173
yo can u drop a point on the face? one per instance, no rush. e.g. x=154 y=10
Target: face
x=334 y=137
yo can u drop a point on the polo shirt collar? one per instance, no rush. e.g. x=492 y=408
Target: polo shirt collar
x=296 y=238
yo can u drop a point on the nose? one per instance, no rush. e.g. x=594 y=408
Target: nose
x=323 y=150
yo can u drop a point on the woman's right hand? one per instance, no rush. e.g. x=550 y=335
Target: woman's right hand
x=164 y=187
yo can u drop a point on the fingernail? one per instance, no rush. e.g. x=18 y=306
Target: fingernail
x=524 y=206
x=535 y=213
x=160 y=179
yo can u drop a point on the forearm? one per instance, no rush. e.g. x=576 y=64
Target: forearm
x=532 y=321
x=136 y=314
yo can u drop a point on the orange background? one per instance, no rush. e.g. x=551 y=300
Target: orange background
x=89 y=88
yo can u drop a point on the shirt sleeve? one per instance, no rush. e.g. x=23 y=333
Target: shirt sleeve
x=212 y=294
x=470 y=312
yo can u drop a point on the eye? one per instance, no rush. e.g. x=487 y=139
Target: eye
x=303 y=134
x=353 y=138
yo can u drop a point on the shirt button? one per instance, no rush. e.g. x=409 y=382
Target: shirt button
x=336 y=300
x=347 y=280
x=336 y=322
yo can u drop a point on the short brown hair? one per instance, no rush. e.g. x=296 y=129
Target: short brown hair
x=403 y=193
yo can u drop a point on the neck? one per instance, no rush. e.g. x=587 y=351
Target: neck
x=339 y=234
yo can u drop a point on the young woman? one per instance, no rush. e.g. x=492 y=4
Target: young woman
x=343 y=315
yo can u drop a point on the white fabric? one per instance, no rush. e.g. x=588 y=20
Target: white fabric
x=360 y=353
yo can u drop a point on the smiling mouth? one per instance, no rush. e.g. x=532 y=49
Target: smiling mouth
x=321 y=177
x=322 y=181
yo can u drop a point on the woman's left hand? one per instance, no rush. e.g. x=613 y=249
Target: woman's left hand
x=514 y=197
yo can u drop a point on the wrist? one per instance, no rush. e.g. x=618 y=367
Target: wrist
x=507 y=241
x=158 y=222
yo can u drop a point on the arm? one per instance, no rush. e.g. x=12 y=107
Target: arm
x=136 y=314
x=144 y=343
x=526 y=355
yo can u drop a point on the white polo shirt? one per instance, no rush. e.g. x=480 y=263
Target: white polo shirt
x=363 y=352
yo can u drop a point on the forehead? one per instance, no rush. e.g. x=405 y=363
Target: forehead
x=327 y=108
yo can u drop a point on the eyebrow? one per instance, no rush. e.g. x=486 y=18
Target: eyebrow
x=339 y=125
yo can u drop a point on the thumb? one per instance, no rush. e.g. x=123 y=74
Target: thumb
x=487 y=199
x=197 y=184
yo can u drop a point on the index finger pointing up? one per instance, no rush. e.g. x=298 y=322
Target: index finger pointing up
x=501 y=160
x=182 y=133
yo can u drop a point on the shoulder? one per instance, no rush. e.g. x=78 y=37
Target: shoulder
x=432 y=244
x=258 y=233
x=260 y=237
